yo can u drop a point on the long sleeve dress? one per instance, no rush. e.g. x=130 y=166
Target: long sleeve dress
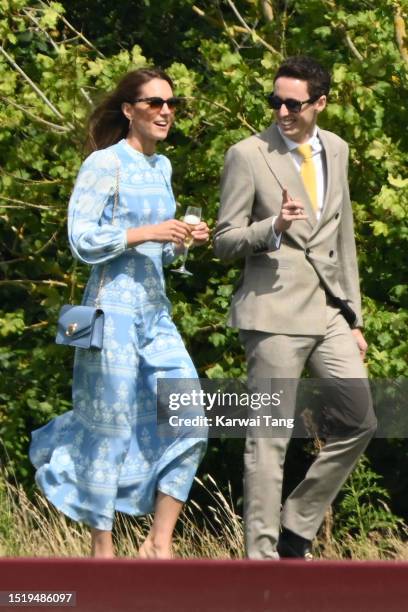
x=105 y=454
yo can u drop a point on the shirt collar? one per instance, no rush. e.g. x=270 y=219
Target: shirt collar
x=313 y=141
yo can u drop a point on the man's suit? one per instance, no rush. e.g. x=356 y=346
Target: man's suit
x=287 y=307
x=280 y=285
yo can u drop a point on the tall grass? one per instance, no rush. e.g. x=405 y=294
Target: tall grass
x=33 y=528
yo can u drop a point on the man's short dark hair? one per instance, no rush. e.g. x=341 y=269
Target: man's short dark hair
x=306 y=69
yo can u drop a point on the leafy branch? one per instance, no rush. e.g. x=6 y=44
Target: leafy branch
x=29 y=14
x=23 y=204
x=22 y=282
x=220 y=23
x=35 y=87
x=331 y=5
x=80 y=35
x=254 y=34
x=34 y=254
x=228 y=110
x=267 y=9
x=401 y=33
x=24 y=109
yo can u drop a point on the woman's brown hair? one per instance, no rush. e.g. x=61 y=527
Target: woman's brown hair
x=107 y=123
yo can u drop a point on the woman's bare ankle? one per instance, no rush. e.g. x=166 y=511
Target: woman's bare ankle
x=102 y=545
x=152 y=548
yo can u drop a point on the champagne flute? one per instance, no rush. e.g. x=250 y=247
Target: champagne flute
x=192 y=217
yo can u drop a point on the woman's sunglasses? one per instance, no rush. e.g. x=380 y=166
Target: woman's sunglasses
x=293 y=106
x=157 y=103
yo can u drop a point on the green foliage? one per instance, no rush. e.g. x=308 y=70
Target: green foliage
x=362 y=509
x=6 y=519
x=57 y=58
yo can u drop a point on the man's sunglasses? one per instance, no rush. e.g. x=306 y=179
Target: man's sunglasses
x=157 y=103
x=293 y=106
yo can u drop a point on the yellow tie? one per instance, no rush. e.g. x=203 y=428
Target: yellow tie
x=308 y=174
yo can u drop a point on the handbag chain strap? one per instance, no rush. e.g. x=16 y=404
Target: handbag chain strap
x=73 y=283
x=115 y=205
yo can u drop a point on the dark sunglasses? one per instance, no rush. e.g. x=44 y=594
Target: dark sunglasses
x=293 y=106
x=157 y=103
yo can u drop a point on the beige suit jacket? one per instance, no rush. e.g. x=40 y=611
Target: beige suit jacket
x=284 y=290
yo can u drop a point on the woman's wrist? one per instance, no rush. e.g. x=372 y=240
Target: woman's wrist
x=137 y=235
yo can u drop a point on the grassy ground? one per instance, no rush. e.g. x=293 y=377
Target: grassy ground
x=35 y=529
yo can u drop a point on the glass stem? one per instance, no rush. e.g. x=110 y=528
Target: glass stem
x=185 y=253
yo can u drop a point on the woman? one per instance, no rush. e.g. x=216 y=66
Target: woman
x=105 y=455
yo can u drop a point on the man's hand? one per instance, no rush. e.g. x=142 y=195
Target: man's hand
x=361 y=343
x=292 y=210
x=200 y=233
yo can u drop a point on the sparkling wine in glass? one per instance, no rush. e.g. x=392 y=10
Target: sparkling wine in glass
x=192 y=217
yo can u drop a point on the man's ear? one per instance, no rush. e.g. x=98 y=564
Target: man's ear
x=321 y=103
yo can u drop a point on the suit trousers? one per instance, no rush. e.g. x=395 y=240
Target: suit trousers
x=275 y=356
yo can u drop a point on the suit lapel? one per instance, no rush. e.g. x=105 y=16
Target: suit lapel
x=330 y=165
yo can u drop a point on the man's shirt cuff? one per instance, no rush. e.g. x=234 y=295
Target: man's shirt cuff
x=276 y=238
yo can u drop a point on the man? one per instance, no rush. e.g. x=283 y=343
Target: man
x=285 y=208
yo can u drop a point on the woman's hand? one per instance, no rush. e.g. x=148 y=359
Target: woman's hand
x=200 y=233
x=168 y=231
x=172 y=230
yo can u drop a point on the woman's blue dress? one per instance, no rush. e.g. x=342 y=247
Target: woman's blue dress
x=105 y=454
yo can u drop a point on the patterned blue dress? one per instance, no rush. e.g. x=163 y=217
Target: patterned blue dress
x=105 y=454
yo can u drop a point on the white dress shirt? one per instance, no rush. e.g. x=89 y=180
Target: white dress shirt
x=318 y=161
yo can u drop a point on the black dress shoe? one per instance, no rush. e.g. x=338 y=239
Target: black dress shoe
x=293 y=546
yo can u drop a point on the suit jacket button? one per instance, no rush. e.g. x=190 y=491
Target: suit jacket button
x=331 y=253
x=307 y=251
x=337 y=215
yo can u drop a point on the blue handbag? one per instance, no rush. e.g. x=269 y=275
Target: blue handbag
x=80 y=326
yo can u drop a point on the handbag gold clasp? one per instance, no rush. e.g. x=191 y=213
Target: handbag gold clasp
x=71 y=329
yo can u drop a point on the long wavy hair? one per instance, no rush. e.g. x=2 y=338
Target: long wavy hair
x=107 y=123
